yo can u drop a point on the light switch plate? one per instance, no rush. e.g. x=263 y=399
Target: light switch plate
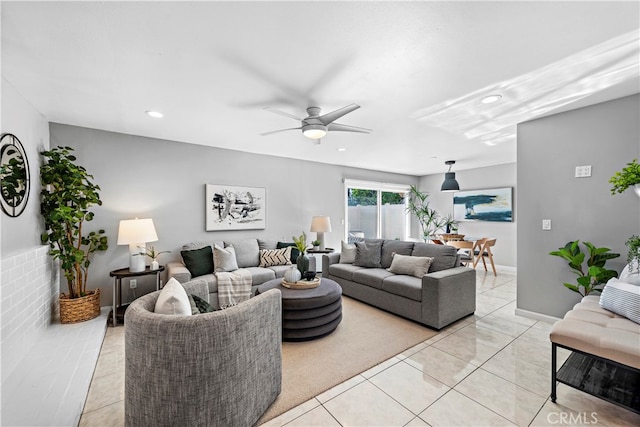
x=583 y=171
x=546 y=224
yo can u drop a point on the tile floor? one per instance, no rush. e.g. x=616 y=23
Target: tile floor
x=492 y=368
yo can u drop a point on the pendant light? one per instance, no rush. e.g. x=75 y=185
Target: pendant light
x=450 y=183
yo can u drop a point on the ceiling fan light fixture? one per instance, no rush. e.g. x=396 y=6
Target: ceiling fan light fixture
x=314 y=131
x=450 y=183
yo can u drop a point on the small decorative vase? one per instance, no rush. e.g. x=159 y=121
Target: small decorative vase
x=303 y=263
x=636 y=188
x=154 y=265
x=292 y=275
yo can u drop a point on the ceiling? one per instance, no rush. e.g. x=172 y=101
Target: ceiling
x=418 y=70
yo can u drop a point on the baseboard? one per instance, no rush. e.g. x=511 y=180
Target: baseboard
x=536 y=316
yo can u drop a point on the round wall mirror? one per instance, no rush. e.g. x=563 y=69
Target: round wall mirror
x=14 y=175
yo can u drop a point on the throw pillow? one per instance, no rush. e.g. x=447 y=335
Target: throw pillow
x=224 y=259
x=194 y=307
x=347 y=253
x=630 y=273
x=410 y=265
x=368 y=254
x=202 y=305
x=621 y=298
x=198 y=261
x=173 y=299
x=269 y=257
x=295 y=252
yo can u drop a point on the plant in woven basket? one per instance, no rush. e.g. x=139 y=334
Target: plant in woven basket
x=67 y=196
x=595 y=275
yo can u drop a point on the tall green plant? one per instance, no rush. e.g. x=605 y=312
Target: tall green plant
x=594 y=276
x=429 y=219
x=67 y=195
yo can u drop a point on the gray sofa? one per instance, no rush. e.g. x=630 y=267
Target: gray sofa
x=213 y=369
x=247 y=256
x=445 y=294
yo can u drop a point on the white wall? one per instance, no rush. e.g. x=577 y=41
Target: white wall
x=499 y=176
x=165 y=180
x=29 y=283
x=605 y=136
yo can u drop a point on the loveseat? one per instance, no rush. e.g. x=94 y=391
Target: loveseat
x=446 y=293
x=247 y=256
x=213 y=369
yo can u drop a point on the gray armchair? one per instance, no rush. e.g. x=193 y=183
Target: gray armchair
x=213 y=369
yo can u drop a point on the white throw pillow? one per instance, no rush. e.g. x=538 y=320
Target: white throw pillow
x=621 y=298
x=631 y=275
x=224 y=259
x=409 y=265
x=173 y=299
x=347 y=253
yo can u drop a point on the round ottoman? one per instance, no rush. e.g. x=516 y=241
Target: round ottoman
x=308 y=313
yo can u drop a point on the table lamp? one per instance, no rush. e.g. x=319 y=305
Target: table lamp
x=136 y=233
x=321 y=225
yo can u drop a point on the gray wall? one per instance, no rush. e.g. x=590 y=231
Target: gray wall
x=21 y=119
x=165 y=180
x=605 y=136
x=505 y=253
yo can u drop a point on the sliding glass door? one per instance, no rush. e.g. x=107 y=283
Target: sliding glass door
x=375 y=210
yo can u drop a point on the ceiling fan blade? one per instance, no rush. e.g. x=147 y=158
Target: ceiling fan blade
x=282 y=113
x=335 y=115
x=346 y=128
x=277 y=131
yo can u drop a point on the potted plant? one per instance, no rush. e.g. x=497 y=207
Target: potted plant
x=629 y=176
x=151 y=253
x=594 y=276
x=67 y=196
x=429 y=219
x=316 y=245
x=303 y=260
x=633 y=256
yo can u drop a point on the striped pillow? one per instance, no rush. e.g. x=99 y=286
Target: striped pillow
x=621 y=298
x=270 y=257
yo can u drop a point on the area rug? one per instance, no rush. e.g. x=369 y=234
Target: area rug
x=366 y=337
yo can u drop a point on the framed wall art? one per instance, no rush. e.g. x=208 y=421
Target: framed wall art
x=494 y=204
x=231 y=207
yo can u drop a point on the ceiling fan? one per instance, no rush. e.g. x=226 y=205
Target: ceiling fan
x=315 y=126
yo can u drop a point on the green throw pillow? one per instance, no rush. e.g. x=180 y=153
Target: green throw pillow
x=198 y=261
x=295 y=252
x=203 y=306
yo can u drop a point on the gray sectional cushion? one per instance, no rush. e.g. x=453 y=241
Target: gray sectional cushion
x=247 y=252
x=260 y=275
x=371 y=276
x=266 y=244
x=389 y=247
x=404 y=286
x=343 y=270
x=444 y=256
x=368 y=254
x=279 y=270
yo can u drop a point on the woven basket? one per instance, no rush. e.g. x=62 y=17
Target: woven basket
x=79 y=309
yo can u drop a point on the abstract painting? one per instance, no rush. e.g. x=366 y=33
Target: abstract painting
x=483 y=205
x=235 y=208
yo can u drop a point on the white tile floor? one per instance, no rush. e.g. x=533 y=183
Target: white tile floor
x=492 y=368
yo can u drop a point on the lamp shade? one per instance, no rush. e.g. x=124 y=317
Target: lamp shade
x=321 y=224
x=450 y=183
x=136 y=231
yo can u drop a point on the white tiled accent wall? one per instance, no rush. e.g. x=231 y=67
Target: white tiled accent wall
x=30 y=289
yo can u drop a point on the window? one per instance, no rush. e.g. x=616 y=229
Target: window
x=375 y=210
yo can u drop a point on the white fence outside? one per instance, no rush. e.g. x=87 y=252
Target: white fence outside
x=362 y=219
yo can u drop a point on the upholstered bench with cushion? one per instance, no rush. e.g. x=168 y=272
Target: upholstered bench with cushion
x=599 y=333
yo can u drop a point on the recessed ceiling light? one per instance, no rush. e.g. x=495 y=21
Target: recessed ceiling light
x=491 y=99
x=341 y=149
x=155 y=114
x=489 y=143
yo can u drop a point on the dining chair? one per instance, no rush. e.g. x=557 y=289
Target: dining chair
x=465 y=250
x=485 y=246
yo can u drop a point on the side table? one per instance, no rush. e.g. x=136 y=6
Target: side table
x=124 y=273
x=317 y=254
